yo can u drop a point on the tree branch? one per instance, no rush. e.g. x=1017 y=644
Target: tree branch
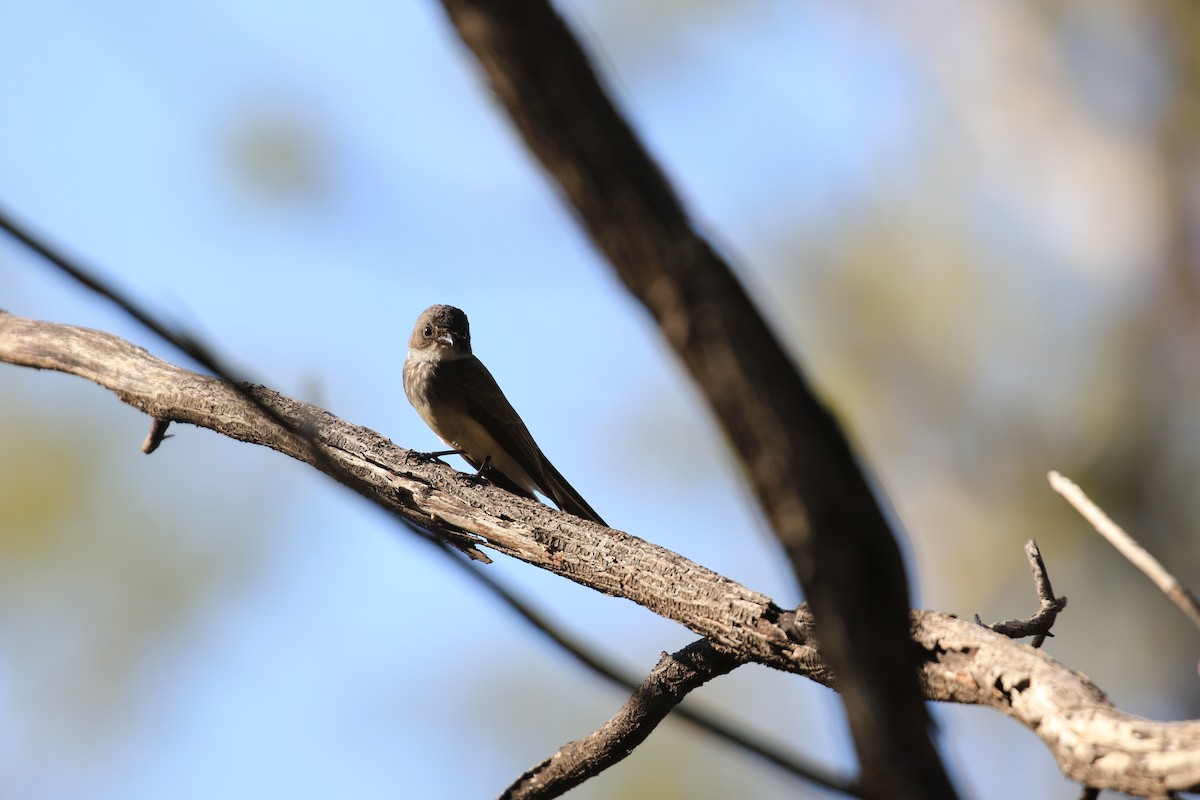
x=1094 y=743
x=1038 y=625
x=1127 y=546
x=427 y=493
x=700 y=719
x=192 y=347
x=664 y=688
x=796 y=459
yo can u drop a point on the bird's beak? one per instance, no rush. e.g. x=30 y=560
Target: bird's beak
x=447 y=339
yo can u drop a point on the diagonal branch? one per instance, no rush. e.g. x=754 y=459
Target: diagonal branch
x=668 y=683
x=796 y=458
x=660 y=693
x=700 y=719
x=1127 y=546
x=1094 y=743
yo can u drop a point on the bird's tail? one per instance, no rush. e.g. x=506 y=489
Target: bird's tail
x=564 y=495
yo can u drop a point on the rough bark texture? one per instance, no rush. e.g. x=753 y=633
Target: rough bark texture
x=430 y=494
x=796 y=459
x=1093 y=743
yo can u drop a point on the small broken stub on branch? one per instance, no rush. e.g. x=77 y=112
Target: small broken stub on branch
x=1038 y=624
x=158 y=432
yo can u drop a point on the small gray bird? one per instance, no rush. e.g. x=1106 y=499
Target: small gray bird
x=459 y=399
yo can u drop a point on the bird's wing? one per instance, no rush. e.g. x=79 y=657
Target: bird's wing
x=487 y=404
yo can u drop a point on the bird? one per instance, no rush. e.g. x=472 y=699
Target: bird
x=457 y=397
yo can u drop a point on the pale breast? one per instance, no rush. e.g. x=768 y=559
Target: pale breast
x=448 y=417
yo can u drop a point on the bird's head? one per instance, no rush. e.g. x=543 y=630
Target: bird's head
x=442 y=333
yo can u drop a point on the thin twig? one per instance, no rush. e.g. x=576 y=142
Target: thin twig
x=1137 y=555
x=1038 y=625
x=158 y=432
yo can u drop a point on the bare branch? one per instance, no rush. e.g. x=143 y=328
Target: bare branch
x=1095 y=744
x=1039 y=624
x=428 y=493
x=664 y=688
x=704 y=721
x=1167 y=583
x=192 y=347
x=158 y=432
x=796 y=458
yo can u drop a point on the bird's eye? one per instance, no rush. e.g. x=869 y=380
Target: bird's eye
x=428 y=331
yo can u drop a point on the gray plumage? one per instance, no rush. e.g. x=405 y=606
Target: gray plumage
x=460 y=400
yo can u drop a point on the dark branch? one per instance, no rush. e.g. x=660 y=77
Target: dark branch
x=664 y=688
x=796 y=458
x=1038 y=625
x=158 y=432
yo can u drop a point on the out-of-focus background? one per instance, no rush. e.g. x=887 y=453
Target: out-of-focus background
x=976 y=225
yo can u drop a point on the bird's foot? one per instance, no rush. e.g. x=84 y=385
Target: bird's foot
x=436 y=455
